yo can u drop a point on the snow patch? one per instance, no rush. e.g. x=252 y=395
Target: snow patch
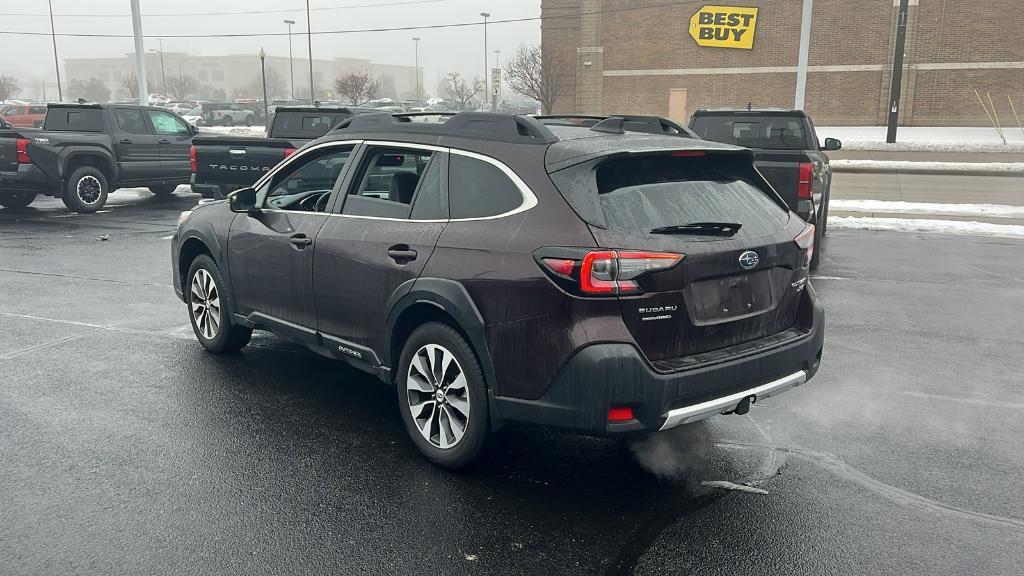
x=957 y=138
x=895 y=207
x=921 y=225
x=910 y=166
x=253 y=131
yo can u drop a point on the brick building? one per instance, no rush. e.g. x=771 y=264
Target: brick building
x=637 y=56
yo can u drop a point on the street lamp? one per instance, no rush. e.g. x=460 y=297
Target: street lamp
x=163 y=75
x=416 y=42
x=263 y=71
x=291 y=65
x=486 y=15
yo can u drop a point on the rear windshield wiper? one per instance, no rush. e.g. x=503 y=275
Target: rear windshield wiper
x=701 y=228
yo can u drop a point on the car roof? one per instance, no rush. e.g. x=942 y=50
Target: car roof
x=580 y=144
x=749 y=111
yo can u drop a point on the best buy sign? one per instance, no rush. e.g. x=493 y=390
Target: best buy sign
x=724 y=26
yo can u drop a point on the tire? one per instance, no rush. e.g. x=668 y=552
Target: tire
x=228 y=121
x=816 y=257
x=205 y=292
x=86 y=190
x=163 y=189
x=16 y=199
x=248 y=121
x=463 y=392
x=823 y=220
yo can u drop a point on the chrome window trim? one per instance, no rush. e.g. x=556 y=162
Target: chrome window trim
x=529 y=198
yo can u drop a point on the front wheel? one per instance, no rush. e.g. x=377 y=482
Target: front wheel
x=442 y=396
x=86 y=190
x=228 y=121
x=16 y=199
x=163 y=189
x=209 y=309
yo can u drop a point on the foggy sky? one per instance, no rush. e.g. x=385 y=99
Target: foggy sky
x=441 y=50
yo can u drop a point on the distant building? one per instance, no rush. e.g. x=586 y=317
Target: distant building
x=234 y=71
x=639 y=57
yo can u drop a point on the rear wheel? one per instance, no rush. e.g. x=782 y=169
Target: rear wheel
x=86 y=190
x=16 y=199
x=442 y=396
x=816 y=256
x=209 y=308
x=248 y=121
x=163 y=189
x=228 y=121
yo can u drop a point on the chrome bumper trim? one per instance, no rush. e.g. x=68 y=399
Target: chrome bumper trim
x=728 y=403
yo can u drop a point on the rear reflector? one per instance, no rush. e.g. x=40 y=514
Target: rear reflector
x=687 y=153
x=620 y=414
x=22 y=146
x=560 y=266
x=803 y=186
x=192 y=158
x=805 y=241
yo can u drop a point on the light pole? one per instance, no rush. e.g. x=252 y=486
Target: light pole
x=56 y=64
x=486 y=15
x=309 y=41
x=263 y=71
x=163 y=74
x=416 y=42
x=291 y=64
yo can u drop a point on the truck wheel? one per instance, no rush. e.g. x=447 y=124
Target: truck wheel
x=442 y=396
x=163 y=189
x=16 y=199
x=209 y=308
x=817 y=248
x=228 y=121
x=86 y=190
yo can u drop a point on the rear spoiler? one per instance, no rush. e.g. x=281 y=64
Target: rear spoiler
x=631 y=122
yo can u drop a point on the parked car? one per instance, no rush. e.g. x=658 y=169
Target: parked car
x=185 y=108
x=226 y=114
x=496 y=269
x=25 y=115
x=86 y=151
x=221 y=164
x=786 y=151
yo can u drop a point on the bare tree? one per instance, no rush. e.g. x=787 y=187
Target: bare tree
x=9 y=87
x=182 y=87
x=357 y=87
x=538 y=74
x=459 y=92
x=276 y=86
x=130 y=86
x=93 y=90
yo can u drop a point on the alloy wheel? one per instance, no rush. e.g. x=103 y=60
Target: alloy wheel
x=89 y=189
x=438 y=396
x=205 y=304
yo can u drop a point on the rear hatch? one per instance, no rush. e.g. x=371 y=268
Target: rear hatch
x=238 y=161
x=740 y=273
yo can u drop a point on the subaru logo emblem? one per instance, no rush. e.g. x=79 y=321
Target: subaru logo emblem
x=749 y=259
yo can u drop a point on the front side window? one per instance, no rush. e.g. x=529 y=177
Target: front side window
x=393 y=180
x=165 y=123
x=306 y=184
x=479 y=189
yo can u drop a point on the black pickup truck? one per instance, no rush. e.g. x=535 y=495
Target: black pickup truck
x=222 y=164
x=786 y=151
x=85 y=151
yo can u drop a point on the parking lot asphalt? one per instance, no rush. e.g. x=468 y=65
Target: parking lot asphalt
x=126 y=449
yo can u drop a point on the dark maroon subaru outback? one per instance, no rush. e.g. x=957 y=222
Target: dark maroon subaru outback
x=498 y=268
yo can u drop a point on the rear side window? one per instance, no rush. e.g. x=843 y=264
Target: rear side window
x=479 y=189
x=637 y=194
x=37 y=110
x=130 y=120
x=74 y=119
x=303 y=125
x=766 y=132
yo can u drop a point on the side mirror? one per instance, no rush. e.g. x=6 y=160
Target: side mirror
x=244 y=200
x=833 y=144
x=193 y=128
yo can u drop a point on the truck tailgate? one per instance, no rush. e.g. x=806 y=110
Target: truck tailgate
x=237 y=161
x=782 y=170
x=9 y=151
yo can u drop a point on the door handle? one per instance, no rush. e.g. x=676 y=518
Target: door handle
x=301 y=240
x=164 y=141
x=401 y=254
x=124 y=141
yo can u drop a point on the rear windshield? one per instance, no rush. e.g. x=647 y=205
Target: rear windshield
x=639 y=193
x=767 y=132
x=304 y=124
x=74 y=119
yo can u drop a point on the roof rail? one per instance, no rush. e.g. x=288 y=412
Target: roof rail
x=613 y=125
x=632 y=123
x=482 y=125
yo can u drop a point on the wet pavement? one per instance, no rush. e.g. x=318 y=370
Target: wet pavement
x=126 y=449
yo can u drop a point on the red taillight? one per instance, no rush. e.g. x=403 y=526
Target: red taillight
x=612 y=272
x=288 y=152
x=803 y=185
x=22 y=144
x=620 y=414
x=687 y=153
x=805 y=241
x=192 y=158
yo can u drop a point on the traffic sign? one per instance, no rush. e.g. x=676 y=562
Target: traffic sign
x=724 y=26
x=496 y=81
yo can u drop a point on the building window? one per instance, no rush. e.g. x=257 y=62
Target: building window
x=203 y=77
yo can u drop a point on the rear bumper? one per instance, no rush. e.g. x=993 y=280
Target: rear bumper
x=602 y=376
x=28 y=177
